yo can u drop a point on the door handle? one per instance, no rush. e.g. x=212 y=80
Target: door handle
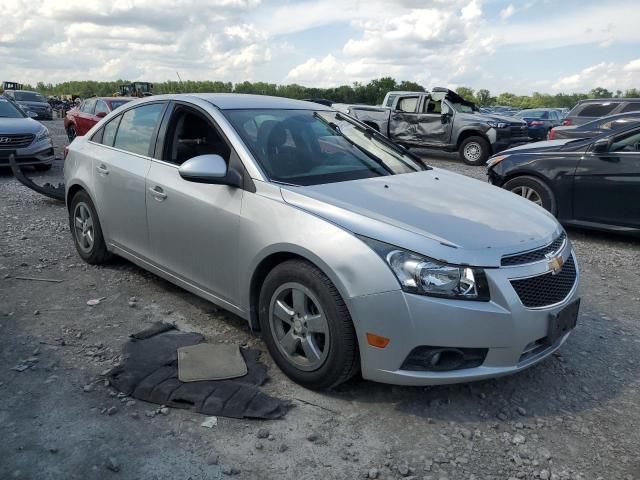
x=102 y=169
x=158 y=193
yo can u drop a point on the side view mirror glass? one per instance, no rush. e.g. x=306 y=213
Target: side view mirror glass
x=209 y=169
x=600 y=146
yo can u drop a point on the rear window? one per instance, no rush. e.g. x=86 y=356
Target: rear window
x=631 y=107
x=597 y=109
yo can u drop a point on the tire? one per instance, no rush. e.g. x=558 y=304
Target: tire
x=43 y=167
x=474 y=151
x=92 y=251
x=337 y=350
x=533 y=188
x=71 y=133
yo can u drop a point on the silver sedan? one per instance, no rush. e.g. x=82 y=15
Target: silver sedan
x=344 y=250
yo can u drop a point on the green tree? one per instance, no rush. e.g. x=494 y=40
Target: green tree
x=600 y=92
x=466 y=93
x=483 y=96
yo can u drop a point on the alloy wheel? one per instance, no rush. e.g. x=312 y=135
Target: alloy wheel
x=528 y=193
x=83 y=224
x=299 y=326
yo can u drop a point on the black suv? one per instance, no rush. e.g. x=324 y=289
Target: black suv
x=587 y=110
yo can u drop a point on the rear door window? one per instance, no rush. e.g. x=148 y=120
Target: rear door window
x=631 y=107
x=137 y=128
x=110 y=131
x=597 y=109
x=408 y=104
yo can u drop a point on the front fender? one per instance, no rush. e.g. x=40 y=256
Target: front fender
x=270 y=226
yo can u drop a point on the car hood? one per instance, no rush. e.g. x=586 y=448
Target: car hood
x=32 y=104
x=437 y=213
x=19 y=125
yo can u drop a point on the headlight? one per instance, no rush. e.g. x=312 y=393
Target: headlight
x=425 y=276
x=43 y=134
x=496 y=160
x=497 y=124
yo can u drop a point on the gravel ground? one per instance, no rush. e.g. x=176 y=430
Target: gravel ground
x=574 y=416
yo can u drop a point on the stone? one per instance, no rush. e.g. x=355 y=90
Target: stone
x=521 y=411
x=373 y=473
x=313 y=437
x=113 y=464
x=544 y=475
x=263 y=433
x=164 y=411
x=518 y=439
x=403 y=469
x=112 y=410
x=283 y=448
x=212 y=459
x=259 y=446
x=88 y=388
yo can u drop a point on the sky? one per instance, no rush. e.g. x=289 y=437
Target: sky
x=503 y=45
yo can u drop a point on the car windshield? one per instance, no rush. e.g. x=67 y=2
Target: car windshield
x=9 y=110
x=303 y=147
x=29 y=97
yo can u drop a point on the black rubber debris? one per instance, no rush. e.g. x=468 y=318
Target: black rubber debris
x=149 y=372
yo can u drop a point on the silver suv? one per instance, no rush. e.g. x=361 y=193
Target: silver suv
x=346 y=251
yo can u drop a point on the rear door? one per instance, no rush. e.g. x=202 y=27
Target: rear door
x=607 y=185
x=193 y=227
x=121 y=166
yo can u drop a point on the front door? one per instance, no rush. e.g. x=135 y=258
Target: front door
x=120 y=171
x=193 y=227
x=420 y=121
x=607 y=185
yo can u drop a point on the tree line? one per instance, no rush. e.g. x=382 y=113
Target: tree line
x=371 y=93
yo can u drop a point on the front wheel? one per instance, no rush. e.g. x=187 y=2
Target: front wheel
x=71 y=132
x=474 y=151
x=307 y=327
x=534 y=190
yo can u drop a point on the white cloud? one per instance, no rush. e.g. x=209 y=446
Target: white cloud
x=508 y=11
x=609 y=75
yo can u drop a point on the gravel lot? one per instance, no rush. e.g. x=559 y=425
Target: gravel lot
x=574 y=416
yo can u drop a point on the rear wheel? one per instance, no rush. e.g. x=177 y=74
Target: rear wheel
x=307 y=327
x=474 y=151
x=533 y=189
x=86 y=230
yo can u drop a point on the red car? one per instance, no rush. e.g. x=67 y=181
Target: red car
x=80 y=119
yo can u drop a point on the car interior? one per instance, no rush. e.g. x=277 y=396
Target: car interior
x=190 y=134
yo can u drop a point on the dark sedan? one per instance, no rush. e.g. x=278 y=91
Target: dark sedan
x=31 y=102
x=592 y=183
x=540 y=121
x=596 y=127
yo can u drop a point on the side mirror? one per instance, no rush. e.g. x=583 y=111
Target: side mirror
x=600 y=146
x=32 y=114
x=209 y=169
x=101 y=114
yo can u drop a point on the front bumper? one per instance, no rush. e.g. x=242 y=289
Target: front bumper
x=38 y=153
x=514 y=335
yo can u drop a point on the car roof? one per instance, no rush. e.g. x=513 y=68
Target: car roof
x=26 y=91
x=610 y=118
x=239 y=101
x=609 y=100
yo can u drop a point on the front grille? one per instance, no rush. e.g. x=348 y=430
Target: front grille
x=547 y=289
x=533 y=255
x=519 y=130
x=12 y=141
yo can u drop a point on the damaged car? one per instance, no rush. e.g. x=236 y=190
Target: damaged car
x=344 y=250
x=442 y=119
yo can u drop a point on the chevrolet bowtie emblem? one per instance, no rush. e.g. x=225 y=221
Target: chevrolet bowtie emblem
x=555 y=263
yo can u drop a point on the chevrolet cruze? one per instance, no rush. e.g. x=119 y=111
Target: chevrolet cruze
x=344 y=250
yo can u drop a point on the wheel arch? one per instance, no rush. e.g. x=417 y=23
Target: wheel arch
x=271 y=261
x=472 y=133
